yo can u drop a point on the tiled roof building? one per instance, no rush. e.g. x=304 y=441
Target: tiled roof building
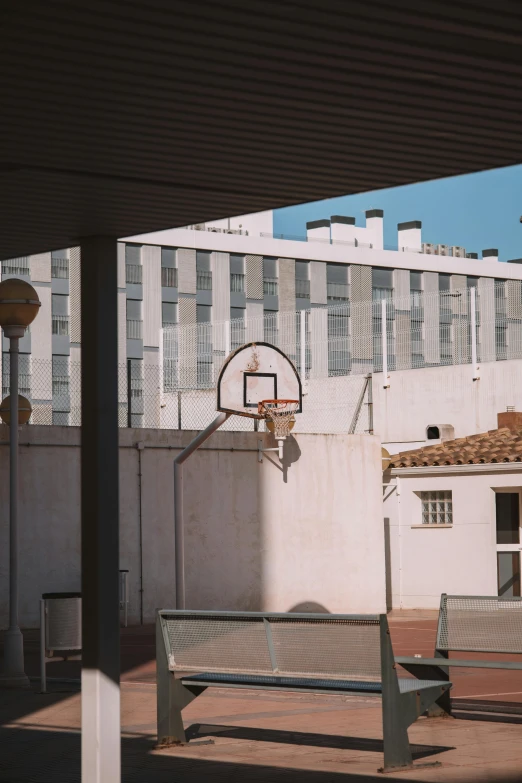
x=501 y=445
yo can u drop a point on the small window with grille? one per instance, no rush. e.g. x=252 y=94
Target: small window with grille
x=437 y=507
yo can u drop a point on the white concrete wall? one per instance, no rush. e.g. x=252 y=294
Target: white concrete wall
x=260 y=535
x=425 y=561
x=417 y=399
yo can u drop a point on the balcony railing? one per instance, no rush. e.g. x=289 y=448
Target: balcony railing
x=134 y=329
x=339 y=292
x=169 y=277
x=302 y=289
x=24 y=384
x=16 y=266
x=134 y=274
x=204 y=281
x=237 y=283
x=61 y=386
x=61 y=325
x=60 y=268
x=270 y=286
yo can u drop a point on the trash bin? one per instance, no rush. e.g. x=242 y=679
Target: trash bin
x=60 y=627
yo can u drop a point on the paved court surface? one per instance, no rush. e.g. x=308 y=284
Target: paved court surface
x=260 y=736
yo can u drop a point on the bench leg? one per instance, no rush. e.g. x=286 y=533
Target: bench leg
x=173 y=696
x=442 y=707
x=397 y=753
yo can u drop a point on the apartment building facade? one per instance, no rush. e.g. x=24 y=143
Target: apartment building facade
x=188 y=296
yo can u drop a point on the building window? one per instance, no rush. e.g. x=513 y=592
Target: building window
x=136 y=392
x=237 y=274
x=169 y=272
x=237 y=327
x=203 y=271
x=433 y=433
x=24 y=374
x=134 y=320
x=132 y=254
x=169 y=313
x=60 y=264
x=16 y=266
x=60 y=314
x=302 y=280
x=270 y=287
x=337 y=287
x=134 y=274
x=437 y=508
x=338 y=341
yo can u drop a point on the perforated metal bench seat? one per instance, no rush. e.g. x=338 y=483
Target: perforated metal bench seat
x=308 y=653
x=303 y=683
x=470 y=624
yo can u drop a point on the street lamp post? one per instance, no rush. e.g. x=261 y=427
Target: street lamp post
x=19 y=305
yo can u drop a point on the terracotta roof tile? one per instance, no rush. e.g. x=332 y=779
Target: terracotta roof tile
x=502 y=445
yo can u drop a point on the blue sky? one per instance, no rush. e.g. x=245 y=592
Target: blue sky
x=475 y=211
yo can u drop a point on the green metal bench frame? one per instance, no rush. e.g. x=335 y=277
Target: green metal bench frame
x=433 y=669
x=403 y=700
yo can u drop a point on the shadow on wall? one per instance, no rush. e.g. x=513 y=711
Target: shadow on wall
x=310 y=607
x=291 y=454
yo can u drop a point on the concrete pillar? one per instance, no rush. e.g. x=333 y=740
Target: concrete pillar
x=409 y=236
x=100 y=513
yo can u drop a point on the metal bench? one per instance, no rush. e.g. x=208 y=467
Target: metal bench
x=472 y=624
x=315 y=653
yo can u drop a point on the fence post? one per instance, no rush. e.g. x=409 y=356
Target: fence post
x=302 y=317
x=473 y=308
x=227 y=338
x=386 y=380
x=129 y=393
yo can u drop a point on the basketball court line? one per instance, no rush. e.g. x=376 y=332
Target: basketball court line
x=483 y=695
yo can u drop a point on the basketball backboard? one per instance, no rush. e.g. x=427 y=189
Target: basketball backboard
x=256 y=372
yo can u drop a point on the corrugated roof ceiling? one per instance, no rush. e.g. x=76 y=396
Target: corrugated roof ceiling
x=128 y=117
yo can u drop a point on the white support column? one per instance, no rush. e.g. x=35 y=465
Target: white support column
x=302 y=325
x=385 y=376
x=473 y=313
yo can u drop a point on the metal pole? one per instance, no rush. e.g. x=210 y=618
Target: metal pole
x=13 y=674
x=43 y=673
x=227 y=338
x=129 y=393
x=303 y=344
x=385 y=384
x=473 y=308
x=101 y=740
x=179 y=522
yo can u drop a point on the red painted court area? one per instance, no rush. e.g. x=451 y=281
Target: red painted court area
x=410 y=636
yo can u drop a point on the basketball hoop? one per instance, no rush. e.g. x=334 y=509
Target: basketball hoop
x=279 y=415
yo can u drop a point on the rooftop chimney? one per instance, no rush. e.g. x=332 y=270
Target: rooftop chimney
x=318 y=230
x=511 y=419
x=410 y=236
x=343 y=228
x=374 y=225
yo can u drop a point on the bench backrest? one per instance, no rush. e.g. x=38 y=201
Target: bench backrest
x=314 y=645
x=480 y=624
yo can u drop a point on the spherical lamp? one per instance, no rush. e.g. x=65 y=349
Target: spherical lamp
x=19 y=304
x=24 y=410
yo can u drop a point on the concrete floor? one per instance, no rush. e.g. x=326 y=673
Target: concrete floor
x=260 y=736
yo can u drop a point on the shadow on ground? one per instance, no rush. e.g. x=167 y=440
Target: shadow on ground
x=304 y=738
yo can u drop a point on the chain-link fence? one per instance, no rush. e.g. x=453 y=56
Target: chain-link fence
x=147 y=398
x=333 y=347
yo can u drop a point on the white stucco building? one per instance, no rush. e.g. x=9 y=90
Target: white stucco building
x=452 y=518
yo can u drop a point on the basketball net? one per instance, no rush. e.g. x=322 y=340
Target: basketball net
x=280 y=413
